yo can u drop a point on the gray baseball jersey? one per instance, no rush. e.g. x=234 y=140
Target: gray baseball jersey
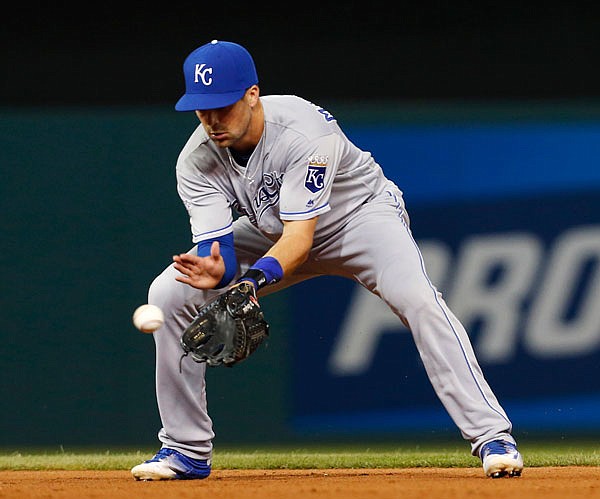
x=302 y=167
x=305 y=166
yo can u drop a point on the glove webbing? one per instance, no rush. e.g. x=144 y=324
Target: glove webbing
x=254 y=336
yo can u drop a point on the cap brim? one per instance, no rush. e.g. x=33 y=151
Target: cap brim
x=203 y=102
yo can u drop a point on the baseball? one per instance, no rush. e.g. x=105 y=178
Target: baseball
x=148 y=318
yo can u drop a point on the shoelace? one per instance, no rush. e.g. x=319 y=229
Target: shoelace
x=499 y=447
x=161 y=454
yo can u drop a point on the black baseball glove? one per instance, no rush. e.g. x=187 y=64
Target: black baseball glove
x=227 y=329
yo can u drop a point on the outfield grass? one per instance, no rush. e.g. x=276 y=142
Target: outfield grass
x=535 y=455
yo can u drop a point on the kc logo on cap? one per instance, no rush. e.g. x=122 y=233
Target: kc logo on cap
x=202 y=71
x=216 y=75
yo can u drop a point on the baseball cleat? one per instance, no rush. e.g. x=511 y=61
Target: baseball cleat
x=169 y=464
x=501 y=458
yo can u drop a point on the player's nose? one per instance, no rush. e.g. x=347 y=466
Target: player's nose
x=212 y=121
x=209 y=117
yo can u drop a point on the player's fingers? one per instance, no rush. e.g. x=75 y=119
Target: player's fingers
x=177 y=259
x=184 y=280
x=187 y=258
x=215 y=250
x=191 y=262
x=180 y=268
x=185 y=269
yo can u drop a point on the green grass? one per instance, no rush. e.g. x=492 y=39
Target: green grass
x=379 y=456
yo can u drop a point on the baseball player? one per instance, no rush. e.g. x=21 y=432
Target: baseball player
x=277 y=194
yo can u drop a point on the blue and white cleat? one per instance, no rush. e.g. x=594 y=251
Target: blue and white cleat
x=501 y=458
x=169 y=464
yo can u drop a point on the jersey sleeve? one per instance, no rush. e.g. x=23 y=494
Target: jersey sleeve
x=306 y=187
x=208 y=208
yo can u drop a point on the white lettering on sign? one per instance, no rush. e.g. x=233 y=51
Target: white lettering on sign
x=516 y=257
x=524 y=304
x=548 y=333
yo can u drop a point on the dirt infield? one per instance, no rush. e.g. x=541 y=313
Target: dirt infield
x=547 y=483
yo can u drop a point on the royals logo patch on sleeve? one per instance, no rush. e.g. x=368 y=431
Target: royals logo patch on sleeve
x=315 y=174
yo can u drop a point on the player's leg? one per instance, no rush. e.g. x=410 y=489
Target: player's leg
x=186 y=434
x=180 y=385
x=380 y=253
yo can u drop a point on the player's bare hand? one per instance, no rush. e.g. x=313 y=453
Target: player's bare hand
x=201 y=272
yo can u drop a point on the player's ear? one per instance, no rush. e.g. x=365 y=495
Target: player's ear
x=252 y=95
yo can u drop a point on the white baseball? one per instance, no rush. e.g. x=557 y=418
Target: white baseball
x=148 y=318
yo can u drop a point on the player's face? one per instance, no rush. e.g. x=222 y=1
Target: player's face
x=232 y=126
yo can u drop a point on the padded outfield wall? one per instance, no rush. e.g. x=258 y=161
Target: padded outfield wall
x=505 y=201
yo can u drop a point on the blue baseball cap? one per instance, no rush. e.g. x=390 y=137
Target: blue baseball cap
x=216 y=75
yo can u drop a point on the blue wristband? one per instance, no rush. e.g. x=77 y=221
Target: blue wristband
x=266 y=270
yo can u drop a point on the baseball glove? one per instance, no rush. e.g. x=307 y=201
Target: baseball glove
x=227 y=329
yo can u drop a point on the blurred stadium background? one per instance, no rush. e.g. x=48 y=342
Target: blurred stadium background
x=486 y=115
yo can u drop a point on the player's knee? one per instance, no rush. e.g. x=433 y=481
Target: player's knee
x=427 y=308
x=409 y=305
x=405 y=298
x=165 y=292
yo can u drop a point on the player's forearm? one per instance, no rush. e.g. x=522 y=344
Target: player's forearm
x=291 y=251
x=285 y=256
x=294 y=245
